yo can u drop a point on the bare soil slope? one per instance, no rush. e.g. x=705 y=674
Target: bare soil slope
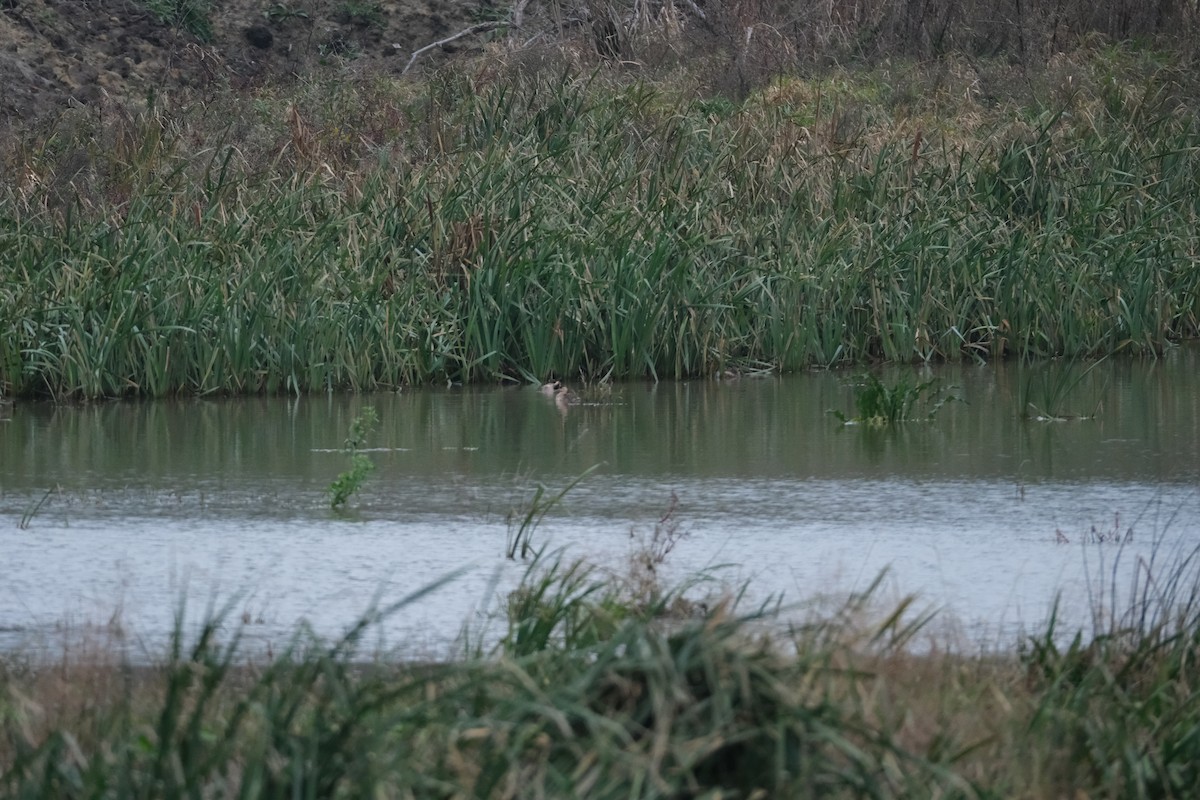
x=57 y=53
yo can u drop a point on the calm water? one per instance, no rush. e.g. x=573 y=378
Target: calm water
x=224 y=501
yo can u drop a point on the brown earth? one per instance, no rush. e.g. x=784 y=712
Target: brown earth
x=58 y=54
x=55 y=54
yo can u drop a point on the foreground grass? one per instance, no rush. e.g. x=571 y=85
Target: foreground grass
x=501 y=221
x=616 y=689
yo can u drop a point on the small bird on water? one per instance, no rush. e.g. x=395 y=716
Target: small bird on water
x=564 y=397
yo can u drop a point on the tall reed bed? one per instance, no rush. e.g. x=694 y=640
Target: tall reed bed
x=598 y=691
x=518 y=224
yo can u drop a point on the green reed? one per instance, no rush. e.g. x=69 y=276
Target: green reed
x=1122 y=706
x=597 y=688
x=588 y=695
x=1046 y=389
x=550 y=224
x=520 y=535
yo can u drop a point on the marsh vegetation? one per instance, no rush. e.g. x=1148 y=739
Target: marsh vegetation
x=607 y=191
x=523 y=214
x=608 y=687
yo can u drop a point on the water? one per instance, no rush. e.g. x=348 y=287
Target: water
x=981 y=514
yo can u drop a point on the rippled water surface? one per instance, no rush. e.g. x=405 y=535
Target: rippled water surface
x=981 y=512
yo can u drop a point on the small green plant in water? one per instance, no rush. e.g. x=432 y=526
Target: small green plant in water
x=349 y=482
x=521 y=541
x=878 y=404
x=30 y=513
x=1045 y=391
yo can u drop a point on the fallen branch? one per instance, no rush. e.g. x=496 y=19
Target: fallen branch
x=481 y=27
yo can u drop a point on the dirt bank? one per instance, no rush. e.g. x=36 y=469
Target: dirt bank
x=58 y=53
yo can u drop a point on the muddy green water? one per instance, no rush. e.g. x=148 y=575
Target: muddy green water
x=982 y=513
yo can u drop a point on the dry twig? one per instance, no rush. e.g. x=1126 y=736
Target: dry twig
x=481 y=27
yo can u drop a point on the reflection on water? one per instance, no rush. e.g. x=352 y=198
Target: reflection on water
x=972 y=510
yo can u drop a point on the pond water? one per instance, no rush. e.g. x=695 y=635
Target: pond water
x=984 y=515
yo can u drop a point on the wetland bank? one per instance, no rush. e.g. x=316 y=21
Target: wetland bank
x=204 y=285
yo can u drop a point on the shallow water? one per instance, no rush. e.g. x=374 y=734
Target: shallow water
x=982 y=514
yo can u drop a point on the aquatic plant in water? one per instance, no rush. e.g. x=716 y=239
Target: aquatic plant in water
x=521 y=540
x=1044 y=392
x=349 y=482
x=32 y=511
x=877 y=403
